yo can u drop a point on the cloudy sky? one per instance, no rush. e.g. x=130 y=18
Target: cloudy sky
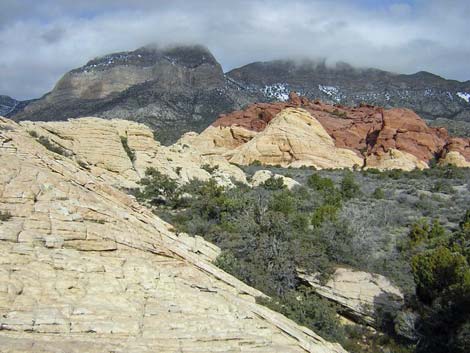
x=41 y=40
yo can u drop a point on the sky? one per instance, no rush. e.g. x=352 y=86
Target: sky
x=41 y=40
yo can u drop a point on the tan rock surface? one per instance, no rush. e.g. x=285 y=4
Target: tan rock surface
x=361 y=294
x=294 y=138
x=394 y=159
x=84 y=268
x=97 y=143
x=454 y=158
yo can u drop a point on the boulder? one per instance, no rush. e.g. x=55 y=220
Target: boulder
x=362 y=295
x=262 y=175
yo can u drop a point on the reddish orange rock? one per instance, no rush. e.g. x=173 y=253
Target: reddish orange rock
x=366 y=129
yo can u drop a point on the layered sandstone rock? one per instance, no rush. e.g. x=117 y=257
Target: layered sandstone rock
x=361 y=294
x=457 y=152
x=394 y=159
x=84 y=268
x=98 y=145
x=294 y=138
x=277 y=133
x=262 y=176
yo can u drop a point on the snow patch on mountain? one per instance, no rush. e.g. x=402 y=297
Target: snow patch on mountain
x=465 y=96
x=330 y=91
x=279 y=91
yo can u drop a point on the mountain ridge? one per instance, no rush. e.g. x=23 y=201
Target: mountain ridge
x=177 y=89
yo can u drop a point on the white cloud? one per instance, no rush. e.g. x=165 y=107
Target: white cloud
x=40 y=43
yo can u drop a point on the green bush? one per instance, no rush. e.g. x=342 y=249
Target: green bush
x=159 y=189
x=52 y=146
x=273 y=183
x=378 y=194
x=422 y=232
x=306 y=308
x=443 y=186
x=130 y=153
x=324 y=213
x=33 y=133
x=5 y=216
x=442 y=275
x=318 y=183
x=210 y=169
x=349 y=187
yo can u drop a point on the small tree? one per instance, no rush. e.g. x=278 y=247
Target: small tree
x=159 y=189
x=349 y=187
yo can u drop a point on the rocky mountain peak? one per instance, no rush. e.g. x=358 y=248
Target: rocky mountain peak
x=190 y=56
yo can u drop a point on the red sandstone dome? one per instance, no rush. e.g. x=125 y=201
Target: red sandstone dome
x=367 y=130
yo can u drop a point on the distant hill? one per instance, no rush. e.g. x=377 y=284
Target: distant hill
x=428 y=95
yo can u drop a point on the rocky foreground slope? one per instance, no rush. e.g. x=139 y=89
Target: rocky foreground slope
x=83 y=267
x=301 y=132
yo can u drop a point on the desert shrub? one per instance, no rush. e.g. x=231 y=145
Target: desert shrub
x=442 y=275
x=283 y=202
x=210 y=169
x=318 y=183
x=443 y=186
x=130 y=153
x=378 y=193
x=339 y=114
x=52 y=146
x=33 y=133
x=5 y=216
x=349 y=187
x=273 y=183
x=158 y=189
x=306 y=308
x=324 y=213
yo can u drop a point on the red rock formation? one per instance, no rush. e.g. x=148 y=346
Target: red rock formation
x=459 y=144
x=404 y=130
x=365 y=129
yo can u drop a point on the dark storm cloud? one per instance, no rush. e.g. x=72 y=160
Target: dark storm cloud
x=40 y=40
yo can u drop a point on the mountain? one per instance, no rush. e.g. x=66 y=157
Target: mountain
x=172 y=90
x=183 y=88
x=10 y=106
x=428 y=95
x=7 y=104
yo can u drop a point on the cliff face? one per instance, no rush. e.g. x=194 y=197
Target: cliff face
x=86 y=268
x=302 y=132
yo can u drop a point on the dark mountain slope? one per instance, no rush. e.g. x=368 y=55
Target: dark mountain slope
x=429 y=95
